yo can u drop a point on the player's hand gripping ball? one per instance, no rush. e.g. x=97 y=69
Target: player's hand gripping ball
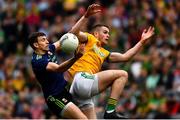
x=69 y=43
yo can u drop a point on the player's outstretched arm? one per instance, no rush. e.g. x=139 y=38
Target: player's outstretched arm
x=68 y=63
x=92 y=9
x=118 y=57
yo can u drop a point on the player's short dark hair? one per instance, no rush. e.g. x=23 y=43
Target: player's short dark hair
x=33 y=38
x=97 y=26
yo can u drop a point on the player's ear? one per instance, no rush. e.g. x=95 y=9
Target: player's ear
x=96 y=33
x=35 y=44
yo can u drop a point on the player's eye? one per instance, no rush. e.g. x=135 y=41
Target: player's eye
x=44 y=39
x=105 y=32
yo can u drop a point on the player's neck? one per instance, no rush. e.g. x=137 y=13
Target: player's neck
x=40 y=52
x=100 y=44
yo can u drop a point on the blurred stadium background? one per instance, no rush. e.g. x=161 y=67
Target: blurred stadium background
x=153 y=89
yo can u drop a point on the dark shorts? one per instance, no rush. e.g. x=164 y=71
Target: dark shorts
x=58 y=103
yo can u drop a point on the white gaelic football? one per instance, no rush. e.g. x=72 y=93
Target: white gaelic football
x=69 y=43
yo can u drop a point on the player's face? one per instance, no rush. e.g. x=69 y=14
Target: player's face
x=43 y=43
x=103 y=35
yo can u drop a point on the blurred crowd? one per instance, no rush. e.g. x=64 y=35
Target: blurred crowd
x=153 y=89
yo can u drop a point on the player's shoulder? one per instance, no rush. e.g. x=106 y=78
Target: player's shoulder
x=38 y=58
x=39 y=62
x=91 y=37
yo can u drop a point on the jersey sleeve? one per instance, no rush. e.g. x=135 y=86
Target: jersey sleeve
x=107 y=57
x=52 y=48
x=91 y=39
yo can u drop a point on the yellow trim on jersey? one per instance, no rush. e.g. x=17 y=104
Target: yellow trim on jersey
x=93 y=58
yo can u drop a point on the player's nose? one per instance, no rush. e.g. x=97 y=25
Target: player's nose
x=108 y=36
x=47 y=42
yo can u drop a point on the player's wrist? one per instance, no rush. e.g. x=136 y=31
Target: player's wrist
x=74 y=59
x=86 y=15
x=141 y=42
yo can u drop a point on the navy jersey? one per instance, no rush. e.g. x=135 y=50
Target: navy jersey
x=52 y=83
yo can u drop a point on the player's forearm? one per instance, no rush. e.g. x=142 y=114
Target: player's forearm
x=133 y=51
x=66 y=65
x=76 y=28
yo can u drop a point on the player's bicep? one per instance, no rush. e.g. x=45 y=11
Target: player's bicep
x=52 y=67
x=116 y=57
x=82 y=37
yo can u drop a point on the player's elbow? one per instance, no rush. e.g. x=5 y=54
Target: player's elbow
x=125 y=58
x=73 y=31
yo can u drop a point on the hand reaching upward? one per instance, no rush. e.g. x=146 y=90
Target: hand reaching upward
x=147 y=34
x=92 y=9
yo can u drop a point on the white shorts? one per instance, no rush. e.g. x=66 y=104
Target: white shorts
x=83 y=87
